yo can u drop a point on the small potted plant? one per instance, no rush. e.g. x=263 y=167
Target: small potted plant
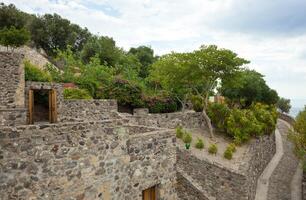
x=187 y=140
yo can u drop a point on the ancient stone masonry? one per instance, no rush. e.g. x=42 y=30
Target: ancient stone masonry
x=304 y=186
x=188 y=119
x=89 y=160
x=11 y=89
x=222 y=183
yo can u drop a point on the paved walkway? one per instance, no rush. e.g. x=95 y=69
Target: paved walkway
x=281 y=180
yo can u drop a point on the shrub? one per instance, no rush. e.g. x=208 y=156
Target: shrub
x=160 y=104
x=213 y=149
x=33 y=73
x=232 y=147
x=266 y=115
x=197 y=103
x=228 y=153
x=218 y=113
x=298 y=136
x=14 y=37
x=75 y=93
x=179 y=132
x=127 y=93
x=199 y=144
x=242 y=124
x=187 y=138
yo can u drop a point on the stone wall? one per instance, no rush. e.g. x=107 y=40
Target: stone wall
x=287 y=118
x=12 y=80
x=89 y=160
x=93 y=110
x=188 y=119
x=13 y=117
x=222 y=183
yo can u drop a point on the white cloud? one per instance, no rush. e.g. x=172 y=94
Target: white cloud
x=179 y=25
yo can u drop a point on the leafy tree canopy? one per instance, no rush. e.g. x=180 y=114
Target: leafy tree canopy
x=284 y=105
x=14 y=37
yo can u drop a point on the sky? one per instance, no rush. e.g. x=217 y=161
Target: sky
x=269 y=33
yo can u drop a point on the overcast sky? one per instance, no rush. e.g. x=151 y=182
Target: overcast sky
x=269 y=33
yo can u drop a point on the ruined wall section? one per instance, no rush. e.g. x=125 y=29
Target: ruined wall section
x=89 y=160
x=12 y=89
x=188 y=119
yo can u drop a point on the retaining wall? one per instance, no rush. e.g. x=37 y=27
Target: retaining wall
x=94 y=160
x=223 y=183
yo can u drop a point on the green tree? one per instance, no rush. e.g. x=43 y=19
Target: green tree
x=146 y=57
x=284 y=105
x=52 y=32
x=11 y=16
x=104 y=47
x=14 y=37
x=248 y=87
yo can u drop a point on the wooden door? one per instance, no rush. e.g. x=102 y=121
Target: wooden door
x=31 y=107
x=149 y=194
x=52 y=106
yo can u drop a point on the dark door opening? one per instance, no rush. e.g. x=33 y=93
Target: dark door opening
x=149 y=194
x=42 y=106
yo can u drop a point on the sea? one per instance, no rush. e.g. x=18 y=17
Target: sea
x=297 y=106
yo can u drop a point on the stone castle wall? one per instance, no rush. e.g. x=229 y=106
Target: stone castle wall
x=188 y=119
x=227 y=184
x=93 y=110
x=11 y=80
x=90 y=160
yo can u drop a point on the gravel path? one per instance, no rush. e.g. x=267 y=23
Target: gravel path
x=282 y=176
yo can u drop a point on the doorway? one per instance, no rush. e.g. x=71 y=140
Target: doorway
x=149 y=194
x=42 y=106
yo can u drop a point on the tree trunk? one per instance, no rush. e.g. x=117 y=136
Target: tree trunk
x=208 y=122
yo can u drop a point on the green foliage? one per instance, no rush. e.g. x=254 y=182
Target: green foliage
x=242 y=124
x=213 y=149
x=232 y=147
x=248 y=87
x=160 y=104
x=197 y=103
x=104 y=48
x=187 y=138
x=228 y=153
x=75 y=93
x=284 y=105
x=127 y=93
x=199 y=144
x=52 y=32
x=218 y=113
x=11 y=16
x=14 y=37
x=33 y=73
x=145 y=55
x=298 y=136
x=266 y=115
x=179 y=132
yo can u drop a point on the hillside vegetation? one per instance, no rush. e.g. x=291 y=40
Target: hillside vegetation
x=139 y=78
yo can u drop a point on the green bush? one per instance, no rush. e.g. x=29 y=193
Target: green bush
x=179 y=132
x=266 y=115
x=232 y=147
x=14 y=37
x=127 y=94
x=242 y=124
x=75 y=93
x=160 y=104
x=213 y=149
x=199 y=144
x=187 y=138
x=197 y=103
x=228 y=153
x=218 y=113
x=33 y=73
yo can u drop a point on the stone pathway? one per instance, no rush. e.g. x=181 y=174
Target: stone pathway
x=281 y=180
